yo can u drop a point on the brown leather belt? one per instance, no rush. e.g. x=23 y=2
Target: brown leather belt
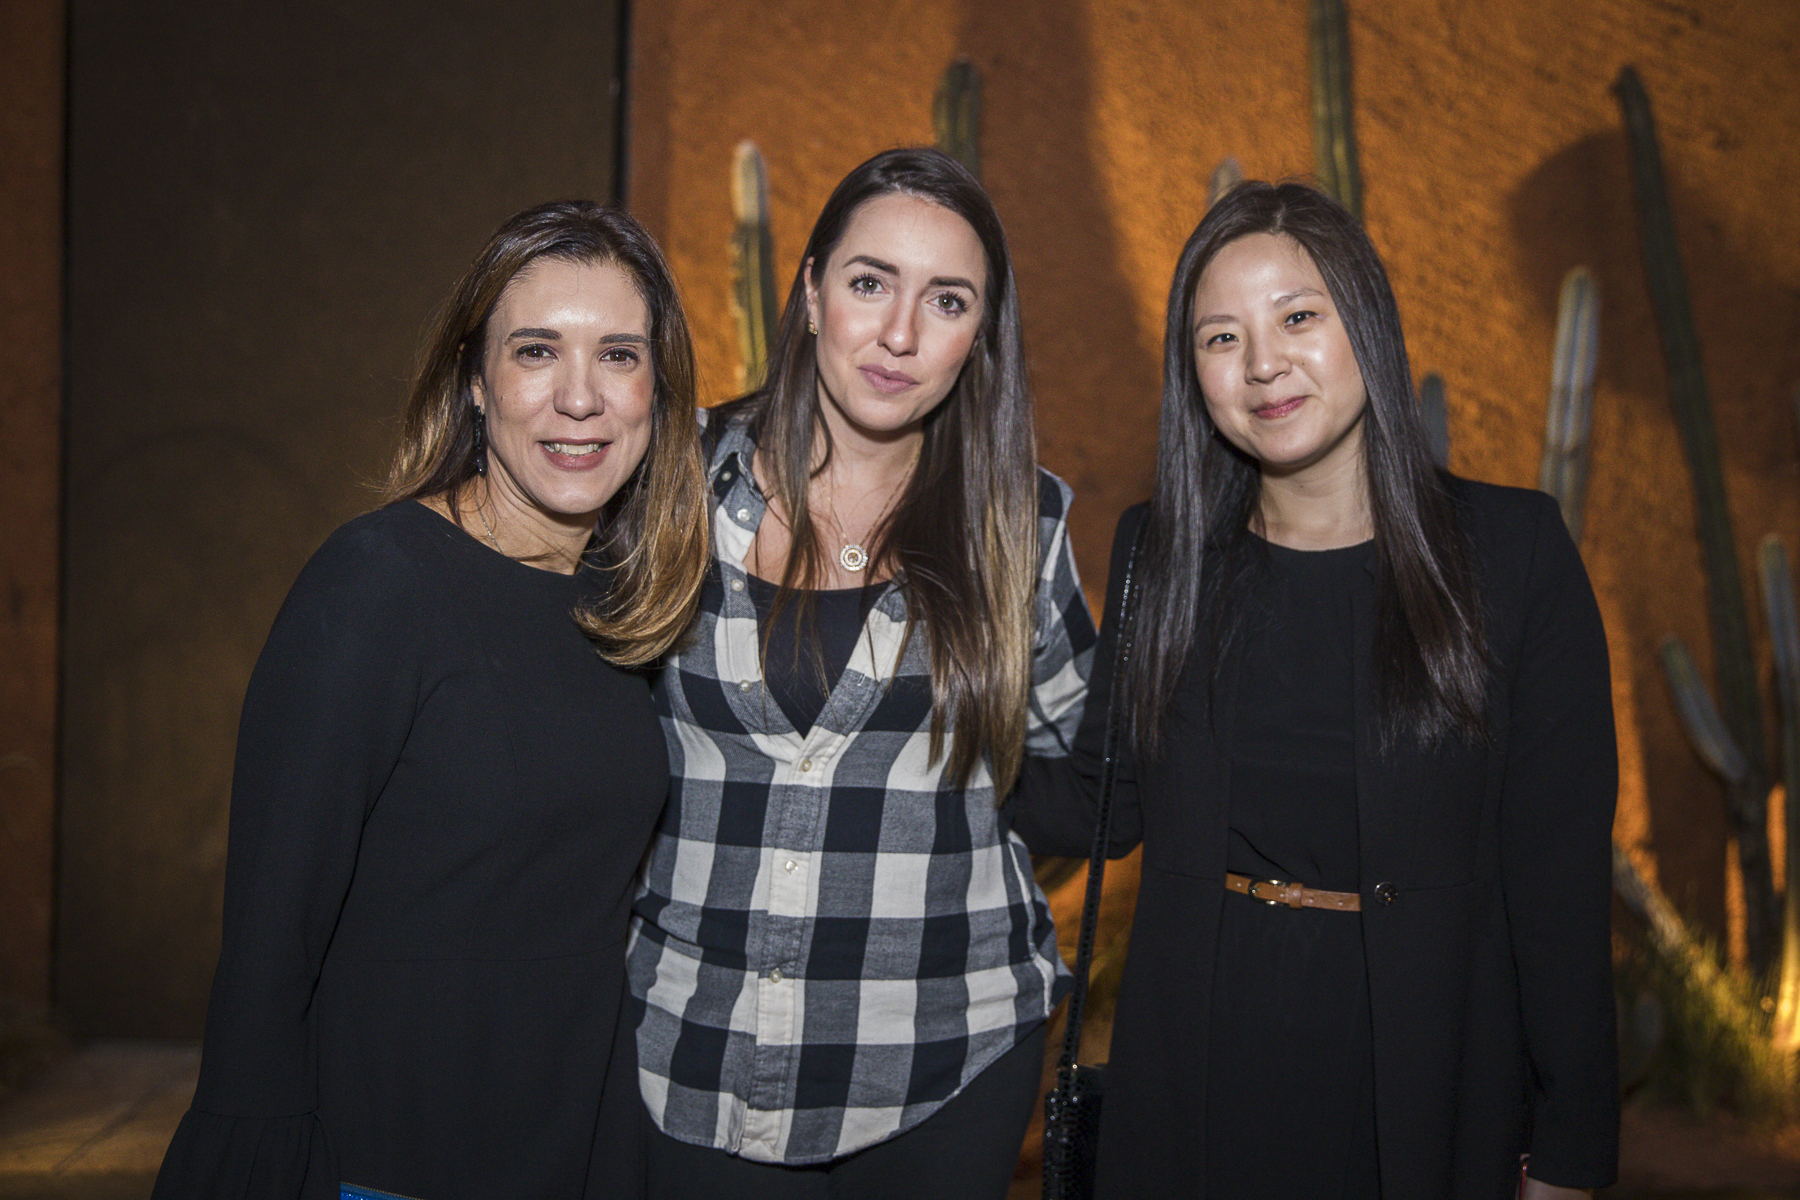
x=1271 y=891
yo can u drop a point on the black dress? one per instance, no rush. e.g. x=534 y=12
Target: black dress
x=1485 y=875
x=1290 y=1014
x=440 y=800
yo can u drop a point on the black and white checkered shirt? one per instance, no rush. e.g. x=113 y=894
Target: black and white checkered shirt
x=832 y=940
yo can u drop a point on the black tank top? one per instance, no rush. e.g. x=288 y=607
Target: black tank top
x=789 y=670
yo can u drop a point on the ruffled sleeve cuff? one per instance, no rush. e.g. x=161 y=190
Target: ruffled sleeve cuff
x=214 y=1157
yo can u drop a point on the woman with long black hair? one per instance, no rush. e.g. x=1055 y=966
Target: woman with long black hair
x=1367 y=746
x=844 y=961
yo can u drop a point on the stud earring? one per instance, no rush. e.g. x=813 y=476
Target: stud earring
x=811 y=327
x=480 y=441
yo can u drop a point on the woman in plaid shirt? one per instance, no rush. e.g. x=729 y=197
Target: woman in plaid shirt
x=844 y=961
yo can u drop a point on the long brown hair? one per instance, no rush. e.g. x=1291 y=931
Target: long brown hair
x=962 y=539
x=652 y=535
x=1430 y=651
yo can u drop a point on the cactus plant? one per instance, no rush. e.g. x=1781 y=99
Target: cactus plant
x=1564 y=470
x=752 y=264
x=1689 y=980
x=1667 y=929
x=1734 y=665
x=1784 y=634
x=1699 y=716
x=956 y=114
x=1434 y=408
x=1334 y=137
x=1227 y=175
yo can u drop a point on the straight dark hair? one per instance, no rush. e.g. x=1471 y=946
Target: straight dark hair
x=653 y=532
x=962 y=538
x=1430 y=668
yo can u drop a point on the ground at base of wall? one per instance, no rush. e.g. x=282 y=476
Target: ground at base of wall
x=94 y=1126
x=1666 y=1154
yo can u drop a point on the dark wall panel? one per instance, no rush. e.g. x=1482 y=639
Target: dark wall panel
x=265 y=204
x=31 y=142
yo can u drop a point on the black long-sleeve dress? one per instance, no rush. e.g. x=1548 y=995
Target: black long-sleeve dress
x=1290 y=992
x=441 y=797
x=1484 y=871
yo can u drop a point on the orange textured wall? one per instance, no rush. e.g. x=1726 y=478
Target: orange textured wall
x=31 y=127
x=1493 y=160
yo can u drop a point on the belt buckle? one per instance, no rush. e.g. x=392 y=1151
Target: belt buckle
x=1250 y=891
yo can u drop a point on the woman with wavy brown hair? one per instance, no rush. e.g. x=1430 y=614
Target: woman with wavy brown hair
x=448 y=766
x=845 y=963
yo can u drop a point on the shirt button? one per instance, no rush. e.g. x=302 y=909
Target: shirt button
x=790 y=866
x=737 y=585
x=775 y=975
x=725 y=475
x=743 y=514
x=744 y=685
x=806 y=764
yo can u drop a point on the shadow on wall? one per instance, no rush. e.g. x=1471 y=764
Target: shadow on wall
x=1105 y=373
x=1577 y=208
x=1098 y=388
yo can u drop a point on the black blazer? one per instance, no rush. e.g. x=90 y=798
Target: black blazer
x=1486 y=904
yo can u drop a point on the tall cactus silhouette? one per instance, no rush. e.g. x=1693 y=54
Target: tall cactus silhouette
x=1697 y=1003
x=1734 y=665
x=752 y=264
x=1434 y=407
x=1570 y=415
x=1699 y=715
x=1334 y=134
x=1227 y=175
x=956 y=114
x=1784 y=634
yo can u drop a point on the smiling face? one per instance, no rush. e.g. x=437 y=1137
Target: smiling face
x=898 y=306
x=567 y=386
x=1274 y=360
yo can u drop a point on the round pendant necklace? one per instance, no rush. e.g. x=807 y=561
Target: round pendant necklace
x=852 y=557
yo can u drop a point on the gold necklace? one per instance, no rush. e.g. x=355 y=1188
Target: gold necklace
x=852 y=557
x=492 y=540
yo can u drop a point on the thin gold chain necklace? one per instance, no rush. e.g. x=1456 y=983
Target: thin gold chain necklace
x=852 y=556
x=493 y=541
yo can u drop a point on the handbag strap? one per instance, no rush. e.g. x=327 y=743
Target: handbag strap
x=1090 y=911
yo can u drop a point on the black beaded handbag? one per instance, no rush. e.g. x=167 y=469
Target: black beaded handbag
x=1072 y=1107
